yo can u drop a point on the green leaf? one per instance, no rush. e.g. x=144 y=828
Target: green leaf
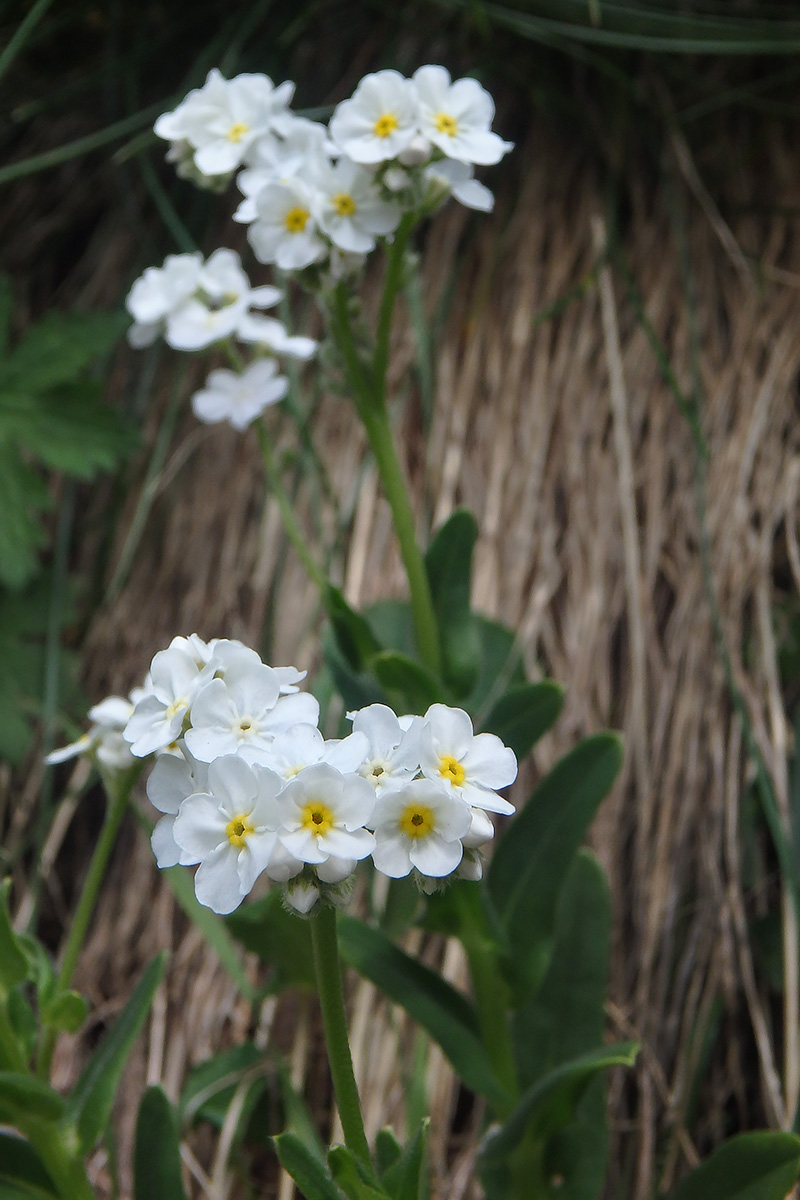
x=57 y=349
x=279 y=938
x=500 y=666
x=348 y=1174
x=90 y=1103
x=69 y=429
x=357 y=688
x=22 y=496
x=547 y=1107
x=411 y=688
x=750 y=1166
x=354 y=637
x=210 y=1086
x=21 y=1171
x=448 y=563
x=308 y=1173
x=24 y=1096
x=524 y=713
x=531 y=860
x=387 y=1150
x=297 y=1118
x=446 y=1015
x=210 y=925
x=406 y=1178
x=67 y=1010
x=157 y=1153
x=14 y=964
x=566 y=1015
x=23 y=1022
x=392 y=623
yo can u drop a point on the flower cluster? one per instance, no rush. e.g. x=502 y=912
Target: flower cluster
x=247 y=784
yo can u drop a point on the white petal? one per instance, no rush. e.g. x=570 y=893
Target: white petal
x=216 y=882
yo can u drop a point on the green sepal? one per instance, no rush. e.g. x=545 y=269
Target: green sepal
x=410 y=687
x=751 y=1166
x=157 y=1152
x=446 y=1014
x=91 y=1100
x=524 y=713
x=406 y=1178
x=15 y=964
x=532 y=858
x=310 y=1175
x=24 y=1097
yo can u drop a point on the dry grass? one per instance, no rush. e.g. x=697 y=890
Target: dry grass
x=563 y=438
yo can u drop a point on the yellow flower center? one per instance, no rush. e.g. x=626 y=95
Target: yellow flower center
x=344 y=204
x=451 y=770
x=385 y=124
x=237 y=132
x=238 y=830
x=417 y=821
x=296 y=219
x=317 y=818
x=176 y=706
x=446 y=124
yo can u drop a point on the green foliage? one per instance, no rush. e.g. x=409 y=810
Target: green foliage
x=281 y=941
x=448 y=563
x=408 y=686
x=210 y=1085
x=21 y=1172
x=404 y=1178
x=311 y=1176
x=89 y=1104
x=350 y=1175
x=524 y=713
x=15 y=966
x=751 y=1166
x=24 y=1098
x=446 y=1015
x=157 y=1157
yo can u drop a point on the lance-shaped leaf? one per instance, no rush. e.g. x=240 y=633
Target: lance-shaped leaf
x=547 y=1107
x=530 y=863
x=157 y=1153
x=90 y=1103
x=524 y=713
x=405 y=1178
x=410 y=687
x=349 y=1175
x=14 y=964
x=311 y=1177
x=24 y=1098
x=750 y=1166
x=22 y=1174
x=446 y=1015
x=448 y=563
x=354 y=637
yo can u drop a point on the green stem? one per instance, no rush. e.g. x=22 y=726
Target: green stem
x=118 y=790
x=391 y=287
x=334 y=1020
x=290 y=525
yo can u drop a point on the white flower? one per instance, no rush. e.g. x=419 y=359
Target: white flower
x=289 y=677
x=242 y=713
x=273 y=336
x=223 y=296
x=421 y=826
x=349 y=208
x=303 y=745
x=472 y=766
x=239 y=399
x=379 y=120
x=392 y=757
x=103 y=740
x=457 y=117
x=158 y=292
x=285 y=232
x=158 y=717
x=449 y=177
x=173 y=778
x=231 y=830
x=223 y=119
x=324 y=814
x=275 y=159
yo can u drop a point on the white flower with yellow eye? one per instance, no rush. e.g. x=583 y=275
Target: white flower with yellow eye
x=223 y=297
x=173 y=778
x=158 y=292
x=472 y=766
x=239 y=398
x=324 y=814
x=392 y=757
x=303 y=746
x=285 y=231
x=456 y=117
x=231 y=830
x=379 y=120
x=349 y=208
x=222 y=120
x=420 y=826
x=172 y=684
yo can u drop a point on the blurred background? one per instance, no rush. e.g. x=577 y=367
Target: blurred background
x=616 y=380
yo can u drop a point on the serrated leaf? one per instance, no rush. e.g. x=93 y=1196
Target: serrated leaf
x=531 y=860
x=68 y=1011
x=59 y=347
x=91 y=1100
x=69 y=429
x=157 y=1154
x=22 y=1173
x=446 y=1015
x=411 y=688
x=311 y=1177
x=405 y=1178
x=524 y=713
x=15 y=966
x=25 y=1096
x=22 y=496
x=750 y=1166
x=448 y=563
x=279 y=938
